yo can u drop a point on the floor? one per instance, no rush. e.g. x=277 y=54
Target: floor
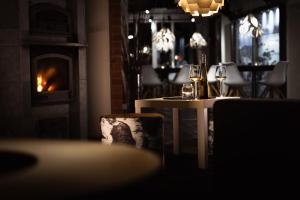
x=179 y=177
x=181 y=174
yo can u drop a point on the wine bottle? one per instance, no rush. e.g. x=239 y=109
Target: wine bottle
x=203 y=82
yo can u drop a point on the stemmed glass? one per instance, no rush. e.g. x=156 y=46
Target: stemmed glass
x=196 y=75
x=221 y=76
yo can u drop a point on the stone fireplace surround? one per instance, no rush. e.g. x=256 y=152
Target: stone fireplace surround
x=21 y=114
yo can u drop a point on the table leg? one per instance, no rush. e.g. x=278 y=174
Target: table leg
x=138 y=108
x=176 y=140
x=202 y=131
x=253 y=84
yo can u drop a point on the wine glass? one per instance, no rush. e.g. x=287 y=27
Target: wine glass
x=196 y=75
x=221 y=76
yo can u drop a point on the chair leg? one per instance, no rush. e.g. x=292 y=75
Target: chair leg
x=279 y=92
x=241 y=91
x=238 y=92
x=156 y=91
x=159 y=91
x=235 y=91
x=271 y=93
x=178 y=90
x=146 y=92
x=212 y=90
x=231 y=92
x=217 y=92
x=228 y=91
x=264 y=93
x=171 y=90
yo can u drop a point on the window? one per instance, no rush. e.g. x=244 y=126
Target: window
x=264 y=49
x=268 y=43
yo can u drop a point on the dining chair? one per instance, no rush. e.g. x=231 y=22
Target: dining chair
x=181 y=77
x=234 y=80
x=212 y=82
x=275 y=81
x=152 y=85
x=256 y=146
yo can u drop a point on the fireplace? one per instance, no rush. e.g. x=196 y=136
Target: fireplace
x=43 y=64
x=52 y=78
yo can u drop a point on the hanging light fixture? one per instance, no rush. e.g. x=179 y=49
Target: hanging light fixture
x=197 y=41
x=250 y=26
x=164 y=40
x=201 y=7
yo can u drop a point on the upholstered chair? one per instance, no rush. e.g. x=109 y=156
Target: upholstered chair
x=141 y=130
x=256 y=146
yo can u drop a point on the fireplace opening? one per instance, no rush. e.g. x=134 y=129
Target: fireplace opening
x=52 y=75
x=52 y=78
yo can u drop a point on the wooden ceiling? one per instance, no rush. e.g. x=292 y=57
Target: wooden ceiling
x=139 y=5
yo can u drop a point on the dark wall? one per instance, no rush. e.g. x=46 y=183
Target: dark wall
x=9 y=14
x=11 y=93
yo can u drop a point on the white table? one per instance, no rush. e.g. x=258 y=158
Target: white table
x=71 y=169
x=202 y=122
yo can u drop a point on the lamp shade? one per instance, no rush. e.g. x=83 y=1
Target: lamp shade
x=164 y=40
x=197 y=40
x=250 y=26
x=201 y=7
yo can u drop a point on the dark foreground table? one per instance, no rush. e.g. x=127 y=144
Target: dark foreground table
x=37 y=169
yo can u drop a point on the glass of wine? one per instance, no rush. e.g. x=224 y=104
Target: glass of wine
x=187 y=91
x=196 y=75
x=221 y=76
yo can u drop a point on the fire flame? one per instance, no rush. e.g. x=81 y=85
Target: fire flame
x=39 y=83
x=43 y=80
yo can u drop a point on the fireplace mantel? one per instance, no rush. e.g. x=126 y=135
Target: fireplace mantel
x=27 y=43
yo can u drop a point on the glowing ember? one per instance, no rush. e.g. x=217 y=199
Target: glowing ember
x=51 y=88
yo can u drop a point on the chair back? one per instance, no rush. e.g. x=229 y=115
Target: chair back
x=233 y=76
x=279 y=75
x=211 y=74
x=182 y=76
x=149 y=76
x=256 y=144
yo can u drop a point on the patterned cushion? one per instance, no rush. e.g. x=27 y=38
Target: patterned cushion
x=142 y=130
